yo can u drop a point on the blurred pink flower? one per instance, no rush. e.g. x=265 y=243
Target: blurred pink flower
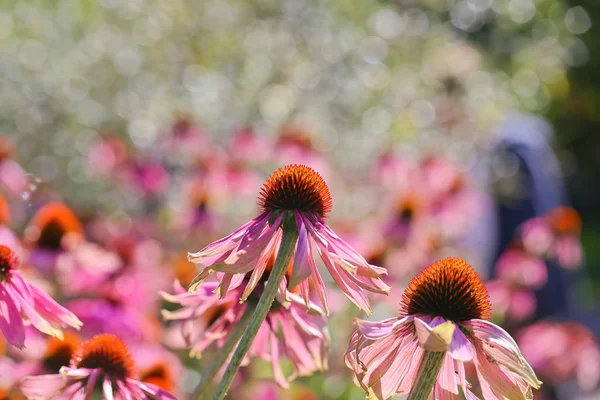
x=23 y=300
x=157 y=366
x=300 y=192
x=206 y=319
x=250 y=147
x=84 y=266
x=385 y=355
x=562 y=351
x=101 y=364
x=521 y=268
x=555 y=235
x=511 y=301
x=148 y=177
x=296 y=145
x=12 y=176
x=51 y=228
x=106 y=155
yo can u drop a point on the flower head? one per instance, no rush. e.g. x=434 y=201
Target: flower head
x=102 y=363
x=50 y=224
x=296 y=188
x=205 y=319
x=59 y=352
x=294 y=195
x=443 y=310
x=448 y=288
x=24 y=300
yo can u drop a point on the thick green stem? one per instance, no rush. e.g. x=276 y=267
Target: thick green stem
x=209 y=373
x=430 y=366
x=286 y=251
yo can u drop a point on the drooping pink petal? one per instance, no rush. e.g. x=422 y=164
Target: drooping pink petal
x=11 y=323
x=301 y=268
x=447 y=377
x=493 y=381
x=261 y=265
x=346 y=285
x=378 y=330
x=460 y=348
x=43 y=386
x=499 y=346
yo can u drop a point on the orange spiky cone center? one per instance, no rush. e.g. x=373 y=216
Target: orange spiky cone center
x=8 y=260
x=297 y=188
x=449 y=288
x=105 y=352
x=51 y=223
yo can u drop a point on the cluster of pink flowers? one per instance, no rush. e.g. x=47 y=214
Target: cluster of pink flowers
x=562 y=351
x=102 y=292
x=522 y=267
x=126 y=282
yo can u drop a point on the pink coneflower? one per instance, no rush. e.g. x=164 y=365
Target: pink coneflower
x=521 y=268
x=385 y=355
x=101 y=364
x=51 y=224
x=298 y=194
x=206 y=319
x=556 y=235
x=21 y=299
x=51 y=228
x=561 y=352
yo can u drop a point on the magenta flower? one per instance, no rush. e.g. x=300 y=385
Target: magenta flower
x=385 y=355
x=206 y=319
x=102 y=366
x=21 y=300
x=301 y=191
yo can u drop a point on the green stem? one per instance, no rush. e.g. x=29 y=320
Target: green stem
x=286 y=251
x=209 y=373
x=430 y=366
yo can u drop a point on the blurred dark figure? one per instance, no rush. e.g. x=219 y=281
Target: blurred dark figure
x=528 y=184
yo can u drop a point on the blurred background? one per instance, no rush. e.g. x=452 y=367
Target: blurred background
x=443 y=127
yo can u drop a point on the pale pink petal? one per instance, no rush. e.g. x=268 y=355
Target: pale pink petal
x=275 y=362
x=301 y=268
x=375 y=330
x=499 y=346
x=43 y=386
x=493 y=381
x=316 y=280
x=107 y=389
x=447 y=377
x=261 y=265
x=346 y=285
x=154 y=392
x=460 y=348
